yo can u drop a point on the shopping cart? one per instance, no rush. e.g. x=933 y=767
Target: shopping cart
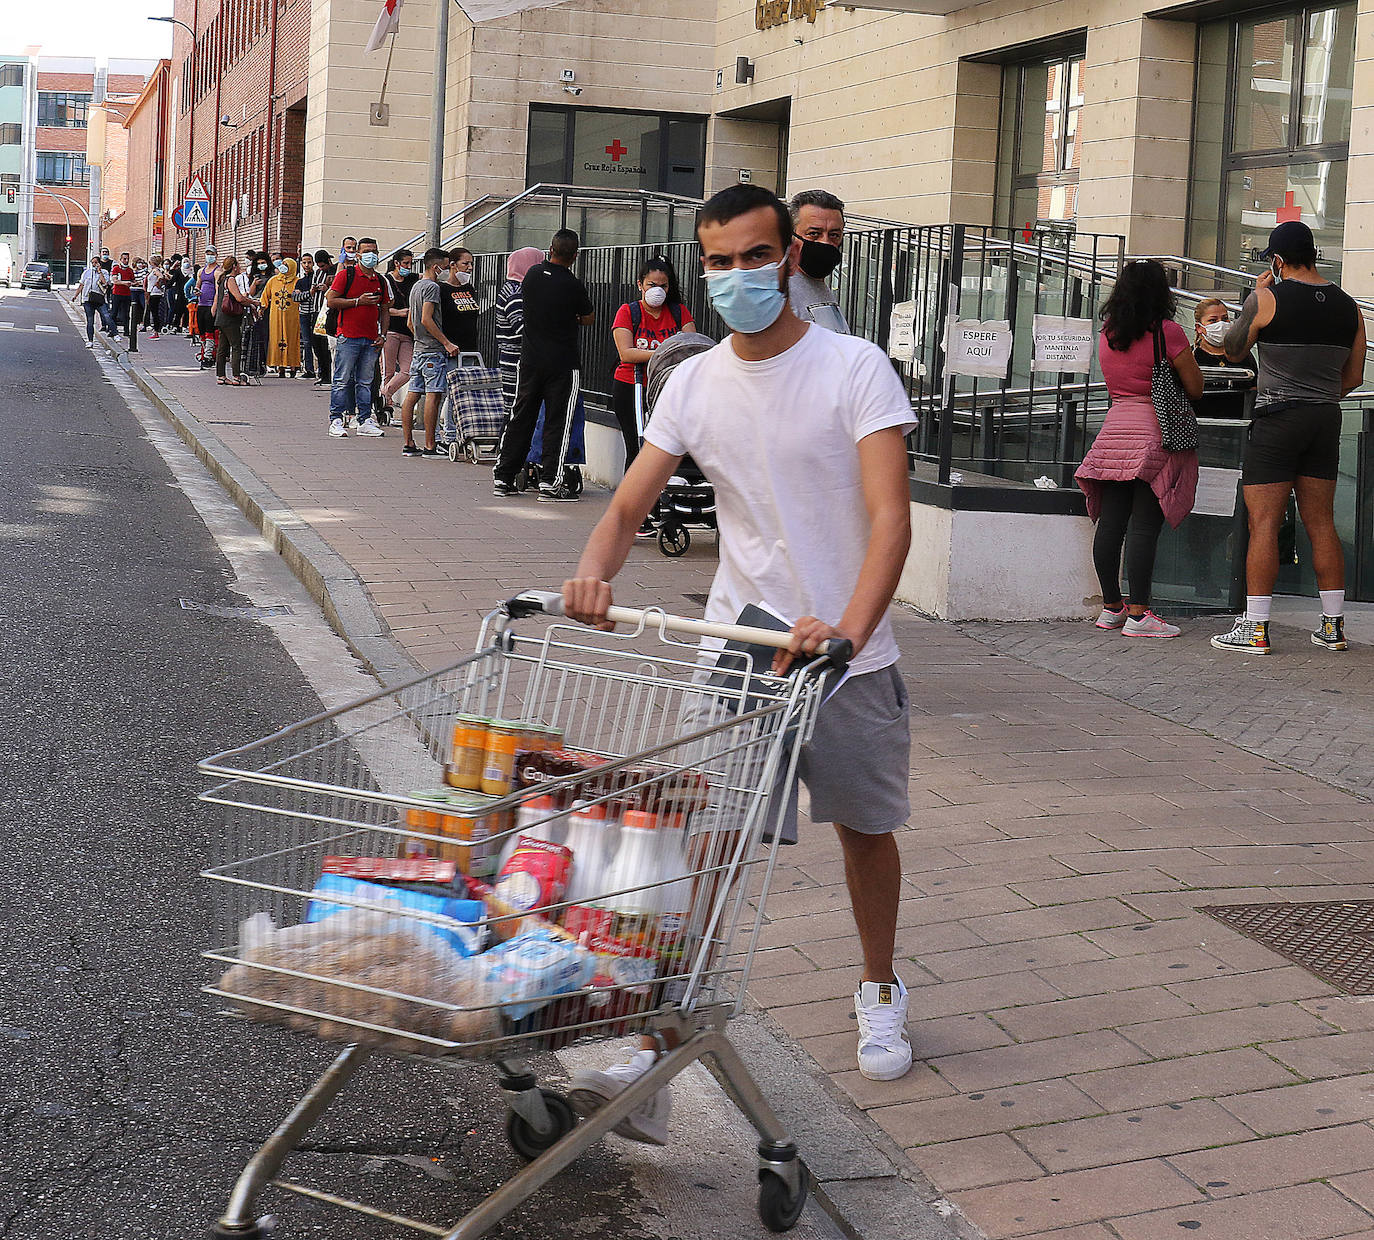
x=473 y=413
x=316 y=810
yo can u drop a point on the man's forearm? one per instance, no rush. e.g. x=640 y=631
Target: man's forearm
x=888 y=543
x=610 y=543
x=1237 y=342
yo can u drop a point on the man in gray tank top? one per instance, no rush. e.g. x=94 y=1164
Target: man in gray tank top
x=1311 y=353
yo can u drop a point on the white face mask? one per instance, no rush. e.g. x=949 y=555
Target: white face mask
x=655 y=295
x=464 y=277
x=1216 y=332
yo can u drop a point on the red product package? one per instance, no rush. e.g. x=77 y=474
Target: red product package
x=625 y=968
x=392 y=869
x=536 y=875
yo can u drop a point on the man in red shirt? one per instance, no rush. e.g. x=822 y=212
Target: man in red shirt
x=121 y=292
x=359 y=297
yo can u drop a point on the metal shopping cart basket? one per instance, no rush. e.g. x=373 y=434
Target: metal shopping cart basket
x=473 y=413
x=355 y=890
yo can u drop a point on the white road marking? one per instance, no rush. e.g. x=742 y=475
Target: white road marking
x=44 y=327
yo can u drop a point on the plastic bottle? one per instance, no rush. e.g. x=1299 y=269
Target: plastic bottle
x=674 y=870
x=592 y=837
x=528 y=823
x=633 y=873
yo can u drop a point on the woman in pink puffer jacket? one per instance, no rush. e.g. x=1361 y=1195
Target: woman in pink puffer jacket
x=1131 y=483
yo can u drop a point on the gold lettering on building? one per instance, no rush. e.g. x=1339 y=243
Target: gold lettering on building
x=770 y=13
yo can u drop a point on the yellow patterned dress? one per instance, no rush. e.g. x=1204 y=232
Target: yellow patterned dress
x=283 y=320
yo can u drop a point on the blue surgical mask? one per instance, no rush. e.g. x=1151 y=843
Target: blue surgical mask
x=368 y=260
x=281 y=268
x=749 y=300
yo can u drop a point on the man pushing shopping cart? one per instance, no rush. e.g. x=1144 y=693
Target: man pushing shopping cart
x=801 y=431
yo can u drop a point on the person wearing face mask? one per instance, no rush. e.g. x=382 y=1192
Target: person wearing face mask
x=434 y=353
x=1210 y=322
x=154 y=287
x=400 y=341
x=359 y=296
x=305 y=280
x=1312 y=353
x=324 y=320
x=510 y=320
x=206 y=332
x=802 y=433
x=460 y=306
x=555 y=303
x=254 y=281
x=282 y=320
x=639 y=328
x=818 y=222
x=348 y=252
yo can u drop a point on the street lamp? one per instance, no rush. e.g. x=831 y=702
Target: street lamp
x=175 y=22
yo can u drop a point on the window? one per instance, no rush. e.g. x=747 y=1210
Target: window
x=12 y=74
x=62 y=168
x=624 y=150
x=1272 y=133
x=1039 y=145
x=11 y=135
x=62 y=109
x=9 y=222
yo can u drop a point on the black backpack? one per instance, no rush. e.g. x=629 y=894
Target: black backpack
x=637 y=315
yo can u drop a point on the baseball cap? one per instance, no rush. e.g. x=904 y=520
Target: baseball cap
x=1290 y=239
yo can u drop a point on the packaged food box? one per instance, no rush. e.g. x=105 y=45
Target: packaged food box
x=458 y=923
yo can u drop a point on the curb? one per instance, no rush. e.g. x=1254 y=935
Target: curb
x=861 y=1185
x=327 y=576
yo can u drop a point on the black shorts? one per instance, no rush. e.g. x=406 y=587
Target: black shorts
x=205 y=321
x=1302 y=441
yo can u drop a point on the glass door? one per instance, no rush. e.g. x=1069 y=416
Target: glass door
x=1039 y=147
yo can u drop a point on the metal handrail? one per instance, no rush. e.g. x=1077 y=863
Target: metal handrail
x=1234 y=273
x=444 y=223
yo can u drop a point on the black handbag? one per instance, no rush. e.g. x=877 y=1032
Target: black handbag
x=1177 y=418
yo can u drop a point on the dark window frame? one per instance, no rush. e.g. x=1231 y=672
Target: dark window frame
x=12 y=73
x=79 y=172
x=664 y=120
x=1016 y=180
x=65 y=109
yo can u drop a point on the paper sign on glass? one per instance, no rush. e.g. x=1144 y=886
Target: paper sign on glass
x=1063 y=346
x=901 y=332
x=981 y=349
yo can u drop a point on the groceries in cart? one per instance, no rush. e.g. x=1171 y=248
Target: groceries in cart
x=485 y=916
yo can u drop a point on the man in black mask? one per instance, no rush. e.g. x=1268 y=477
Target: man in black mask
x=818 y=222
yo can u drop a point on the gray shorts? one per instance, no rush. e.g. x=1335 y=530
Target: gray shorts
x=855 y=767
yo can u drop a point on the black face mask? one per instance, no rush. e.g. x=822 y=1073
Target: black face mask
x=819 y=259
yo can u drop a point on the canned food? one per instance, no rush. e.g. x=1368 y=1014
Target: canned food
x=466 y=833
x=498 y=764
x=467 y=757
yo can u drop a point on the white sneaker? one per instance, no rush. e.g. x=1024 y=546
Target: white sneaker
x=369 y=427
x=337 y=429
x=590 y=1091
x=1110 y=619
x=884 y=1051
x=1149 y=625
x=350 y=422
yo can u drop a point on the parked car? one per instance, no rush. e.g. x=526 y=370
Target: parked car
x=36 y=275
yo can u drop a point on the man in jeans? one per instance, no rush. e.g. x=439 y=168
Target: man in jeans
x=1311 y=353
x=556 y=303
x=359 y=295
x=121 y=294
x=434 y=351
x=778 y=414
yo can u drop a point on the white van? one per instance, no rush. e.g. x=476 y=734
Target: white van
x=6 y=264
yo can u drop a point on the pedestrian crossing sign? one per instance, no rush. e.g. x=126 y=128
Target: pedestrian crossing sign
x=195 y=214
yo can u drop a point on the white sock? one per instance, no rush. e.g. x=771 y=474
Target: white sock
x=1257 y=607
x=1333 y=602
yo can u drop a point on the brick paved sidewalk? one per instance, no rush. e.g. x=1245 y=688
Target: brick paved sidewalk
x=1095 y=1058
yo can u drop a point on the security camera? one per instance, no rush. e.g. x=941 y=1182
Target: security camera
x=224 y=120
x=573 y=90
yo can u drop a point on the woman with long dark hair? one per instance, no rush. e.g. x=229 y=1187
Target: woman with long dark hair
x=1132 y=484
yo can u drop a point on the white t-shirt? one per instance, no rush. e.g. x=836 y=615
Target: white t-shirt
x=778 y=441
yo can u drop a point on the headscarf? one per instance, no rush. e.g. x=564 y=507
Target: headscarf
x=519 y=263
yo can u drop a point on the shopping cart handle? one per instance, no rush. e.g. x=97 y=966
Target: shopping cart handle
x=839 y=651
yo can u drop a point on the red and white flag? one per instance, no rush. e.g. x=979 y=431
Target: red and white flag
x=388 y=23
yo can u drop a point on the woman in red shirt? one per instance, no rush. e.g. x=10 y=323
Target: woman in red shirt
x=639 y=328
x=1131 y=483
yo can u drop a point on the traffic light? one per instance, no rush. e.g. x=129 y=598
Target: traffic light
x=69 y=238
x=9 y=194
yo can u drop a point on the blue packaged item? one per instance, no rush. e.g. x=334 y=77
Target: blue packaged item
x=530 y=969
x=466 y=932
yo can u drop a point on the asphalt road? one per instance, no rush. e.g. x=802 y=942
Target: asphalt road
x=129 y=1105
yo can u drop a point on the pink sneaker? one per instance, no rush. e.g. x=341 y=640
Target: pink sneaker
x=1149 y=625
x=1110 y=619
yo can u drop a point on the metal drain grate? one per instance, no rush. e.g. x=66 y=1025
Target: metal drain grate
x=236 y=613
x=1333 y=940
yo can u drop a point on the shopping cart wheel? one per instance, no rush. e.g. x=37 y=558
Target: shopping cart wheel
x=474 y=452
x=260 y=1230
x=673 y=539
x=779 y=1208
x=523 y=1137
x=453 y=452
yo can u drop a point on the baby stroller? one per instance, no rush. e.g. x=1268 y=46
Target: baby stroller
x=473 y=413
x=688 y=500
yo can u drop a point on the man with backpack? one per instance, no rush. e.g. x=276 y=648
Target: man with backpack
x=359 y=304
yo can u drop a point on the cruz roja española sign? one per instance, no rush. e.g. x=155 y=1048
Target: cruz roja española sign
x=770 y=13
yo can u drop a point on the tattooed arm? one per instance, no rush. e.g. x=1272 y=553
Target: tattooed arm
x=1257 y=313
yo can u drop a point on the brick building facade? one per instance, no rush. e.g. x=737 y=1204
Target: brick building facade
x=142 y=175
x=237 y=117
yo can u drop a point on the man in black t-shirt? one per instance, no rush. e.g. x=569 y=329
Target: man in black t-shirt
x=556 y=304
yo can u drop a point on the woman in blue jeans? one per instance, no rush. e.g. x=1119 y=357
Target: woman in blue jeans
x=92 y=290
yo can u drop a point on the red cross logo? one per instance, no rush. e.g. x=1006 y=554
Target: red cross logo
x=615 y=151
x=1288 y=211
x=1027 y=231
